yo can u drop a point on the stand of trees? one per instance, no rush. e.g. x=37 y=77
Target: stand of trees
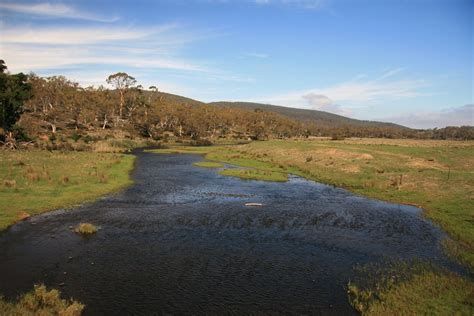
x=43 y=107
x=14 y=91
x=59 y=105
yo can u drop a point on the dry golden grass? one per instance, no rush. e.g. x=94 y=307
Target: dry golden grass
x=86 y=229
x=41 y=302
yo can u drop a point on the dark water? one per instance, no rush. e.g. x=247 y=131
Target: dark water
x=181 y=241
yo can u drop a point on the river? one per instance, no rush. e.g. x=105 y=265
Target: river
x=181 y=241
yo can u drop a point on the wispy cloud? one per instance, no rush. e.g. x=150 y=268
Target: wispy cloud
x=455 y=116
x=306 y=4
x=256 y=55
x=391 y=73
x=32 y=49
x=55 y=10
x=97 y=50
x=347 y=95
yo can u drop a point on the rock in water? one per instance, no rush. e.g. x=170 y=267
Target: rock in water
x=253 y=204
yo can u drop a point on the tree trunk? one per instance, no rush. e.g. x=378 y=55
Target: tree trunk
x=122 y=101
x=105 y=121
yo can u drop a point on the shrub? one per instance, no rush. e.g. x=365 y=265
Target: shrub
x=75 y=136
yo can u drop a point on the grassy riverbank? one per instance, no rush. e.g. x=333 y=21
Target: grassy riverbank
x=33 y=182
x=437 y=176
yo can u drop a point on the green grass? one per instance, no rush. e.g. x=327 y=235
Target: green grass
x=255 y=174
x=411 y=289
x=208 y=164
x=33 y=182
x=41 y=301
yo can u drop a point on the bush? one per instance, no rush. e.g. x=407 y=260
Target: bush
x=75 y=137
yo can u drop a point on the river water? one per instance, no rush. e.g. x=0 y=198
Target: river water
x=181 y=241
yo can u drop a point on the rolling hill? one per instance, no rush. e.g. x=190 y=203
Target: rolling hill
x=321 y=118
x=304 y=115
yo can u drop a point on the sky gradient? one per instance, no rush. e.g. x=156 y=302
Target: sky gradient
x=409 y=62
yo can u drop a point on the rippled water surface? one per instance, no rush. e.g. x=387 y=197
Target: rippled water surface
x=181 y=241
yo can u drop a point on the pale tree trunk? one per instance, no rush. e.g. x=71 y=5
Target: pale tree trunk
x=122 y=101
x=105 y=121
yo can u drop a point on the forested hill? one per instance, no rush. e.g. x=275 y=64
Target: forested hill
x=320 y=118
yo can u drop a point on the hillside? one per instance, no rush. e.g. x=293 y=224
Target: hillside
x=321 y=118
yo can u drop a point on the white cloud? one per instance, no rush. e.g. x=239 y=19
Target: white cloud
x=456 y=116
x=33 y=49
x=323 y=103
x=56 y=10
x=391 y=73
x=360 y=91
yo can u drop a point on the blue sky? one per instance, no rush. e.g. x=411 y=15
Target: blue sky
x=410 y=62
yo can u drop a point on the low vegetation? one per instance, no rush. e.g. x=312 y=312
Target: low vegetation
x=33 y=182
x=255 y=174
x=86 y=229
x=208 y=164
x=410 y=289
x=41 y=301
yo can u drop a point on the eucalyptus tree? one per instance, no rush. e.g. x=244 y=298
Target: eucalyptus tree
x=122 y=82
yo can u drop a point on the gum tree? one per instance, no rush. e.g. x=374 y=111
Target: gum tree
x=122 y=82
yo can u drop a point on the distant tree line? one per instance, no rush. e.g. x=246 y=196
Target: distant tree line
x=34 y=107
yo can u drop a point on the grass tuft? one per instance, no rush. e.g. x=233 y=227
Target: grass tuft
x=86 y=229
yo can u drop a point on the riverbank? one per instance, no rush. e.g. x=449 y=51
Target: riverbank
x=37 y=181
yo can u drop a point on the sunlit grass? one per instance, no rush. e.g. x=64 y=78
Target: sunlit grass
x=41 y=301
x=410 y=289
x=255 y=174
x=208 y=164
x=37 y=181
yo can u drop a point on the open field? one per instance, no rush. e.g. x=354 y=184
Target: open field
x=33 y=182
